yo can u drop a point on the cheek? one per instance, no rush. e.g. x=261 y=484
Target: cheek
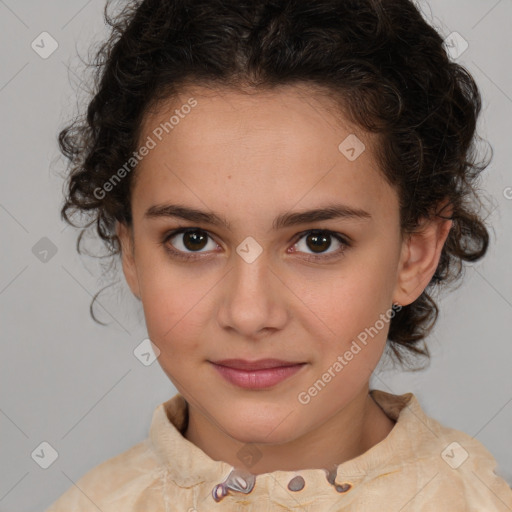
x=172 y=325
x=353 y=298
x=347 y=310
x=174 y=304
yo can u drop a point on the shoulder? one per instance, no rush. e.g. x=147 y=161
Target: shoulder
x=472 y=471
x=114 y=484
x=462 y=477
x=457 y=471
x=441 y=467
x=469 y=472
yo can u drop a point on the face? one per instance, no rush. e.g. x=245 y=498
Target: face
x=270 y=283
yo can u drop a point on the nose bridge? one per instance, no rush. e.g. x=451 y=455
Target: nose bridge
x=250 y=278
x=250 y=301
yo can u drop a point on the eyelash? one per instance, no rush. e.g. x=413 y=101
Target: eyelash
x=345 y=244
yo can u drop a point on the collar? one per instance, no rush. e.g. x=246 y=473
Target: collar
x=188 y=465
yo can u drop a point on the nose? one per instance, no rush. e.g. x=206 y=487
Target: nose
x=253 y=300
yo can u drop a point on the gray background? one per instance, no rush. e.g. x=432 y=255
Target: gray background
x=77 y=385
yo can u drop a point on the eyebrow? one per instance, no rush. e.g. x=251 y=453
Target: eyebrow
x=333 y=211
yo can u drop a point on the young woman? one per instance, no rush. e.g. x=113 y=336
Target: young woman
x=284 y=182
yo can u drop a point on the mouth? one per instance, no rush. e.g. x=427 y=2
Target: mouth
x=260 y=374
x=260 y=364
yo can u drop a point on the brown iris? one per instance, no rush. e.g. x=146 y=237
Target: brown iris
x=194 y=240
x=318 y=242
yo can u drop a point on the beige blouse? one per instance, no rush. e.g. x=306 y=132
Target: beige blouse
x=420 y=466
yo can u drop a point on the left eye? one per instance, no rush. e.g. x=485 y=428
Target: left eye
x=319 y=242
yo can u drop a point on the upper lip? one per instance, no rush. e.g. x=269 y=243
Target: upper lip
x=260 y=364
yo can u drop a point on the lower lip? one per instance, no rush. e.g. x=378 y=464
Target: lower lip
x=257 y=379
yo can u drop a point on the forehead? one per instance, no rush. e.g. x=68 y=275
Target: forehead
x=258 y=149
x=295 y=112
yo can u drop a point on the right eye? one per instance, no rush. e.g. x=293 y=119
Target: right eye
x=184 y=242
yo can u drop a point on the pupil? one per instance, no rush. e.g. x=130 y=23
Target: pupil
x=320 y=242
x=193 y=240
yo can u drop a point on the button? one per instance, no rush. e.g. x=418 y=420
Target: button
x=237 y=481
x=344 y=487
x=219 y=491
x=331 y=478
x=296 y=484
x=240 y=482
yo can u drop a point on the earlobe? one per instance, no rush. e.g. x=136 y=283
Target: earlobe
x=420 y=256
x=125 y=235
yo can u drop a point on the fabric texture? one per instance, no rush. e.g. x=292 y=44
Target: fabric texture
x=420 y=466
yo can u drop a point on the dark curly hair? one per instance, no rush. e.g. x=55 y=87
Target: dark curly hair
x=383 y=65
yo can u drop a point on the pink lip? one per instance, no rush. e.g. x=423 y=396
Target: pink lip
x=258 y=374
x=259 y=364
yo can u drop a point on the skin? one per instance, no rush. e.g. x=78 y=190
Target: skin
x=250 y=158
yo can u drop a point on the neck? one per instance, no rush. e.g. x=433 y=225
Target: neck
x=347 y=434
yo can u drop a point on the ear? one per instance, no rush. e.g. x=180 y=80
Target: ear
x=420 y=256
x=125 y=235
